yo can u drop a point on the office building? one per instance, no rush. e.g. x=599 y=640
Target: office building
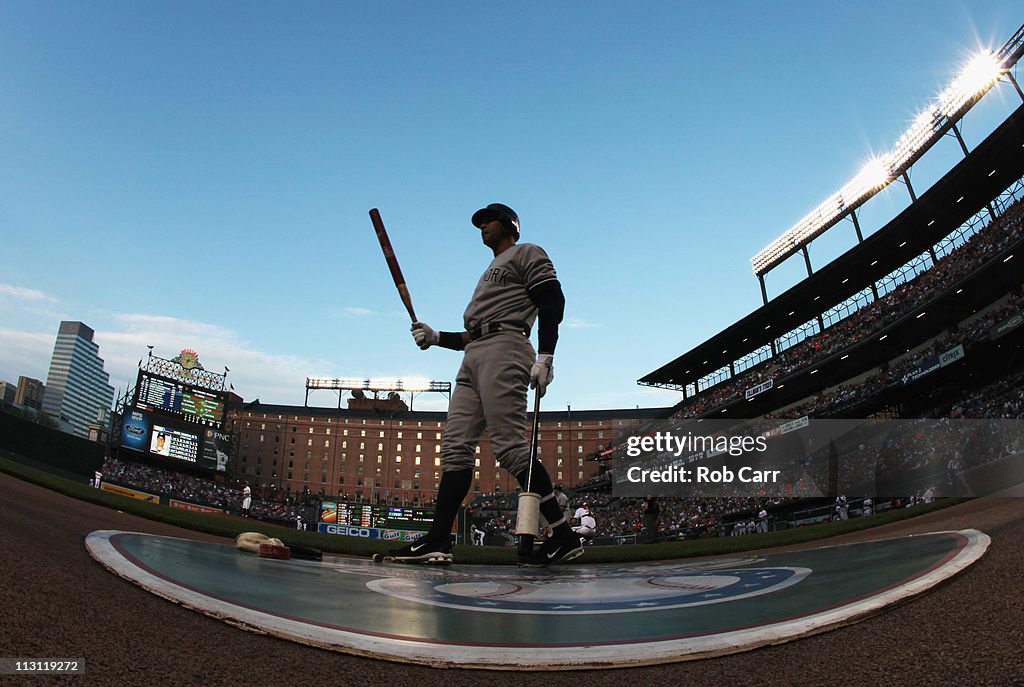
x=7 y=391
x=77 y=389
x=29 y=393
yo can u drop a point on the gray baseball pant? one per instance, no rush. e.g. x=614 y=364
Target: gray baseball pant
x=490 y=392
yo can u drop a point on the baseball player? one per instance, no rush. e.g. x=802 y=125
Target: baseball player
x=651 y=513
x=581 y=511
x=246 y=500
x=842 y=508
x=762 y=520
x=588 y=524
x=518 y=288
x=563 y=500
x=563 y=506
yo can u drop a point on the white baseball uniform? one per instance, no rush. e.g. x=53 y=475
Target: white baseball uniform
x=491 y=385
x=587 y=526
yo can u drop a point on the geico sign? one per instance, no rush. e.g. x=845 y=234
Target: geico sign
x=363 y=532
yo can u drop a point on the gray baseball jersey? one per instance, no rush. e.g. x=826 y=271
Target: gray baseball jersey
x=502 y=295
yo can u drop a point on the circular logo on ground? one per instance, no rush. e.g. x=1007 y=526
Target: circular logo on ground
x=615 y=590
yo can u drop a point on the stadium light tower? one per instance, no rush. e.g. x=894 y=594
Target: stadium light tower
x=975 y=80
x=409 y=385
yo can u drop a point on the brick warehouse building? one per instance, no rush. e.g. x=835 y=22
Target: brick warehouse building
x=386 y=454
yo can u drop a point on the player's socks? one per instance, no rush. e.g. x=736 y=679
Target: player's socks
x=450 y=493
x=540 y=481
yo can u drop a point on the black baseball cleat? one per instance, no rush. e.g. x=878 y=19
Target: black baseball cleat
x=423 y=550
x=554 y=550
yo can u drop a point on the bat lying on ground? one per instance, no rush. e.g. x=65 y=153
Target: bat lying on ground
x=272 y=547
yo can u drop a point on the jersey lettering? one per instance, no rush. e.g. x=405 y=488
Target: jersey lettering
x=502 y=292
x=497 y=276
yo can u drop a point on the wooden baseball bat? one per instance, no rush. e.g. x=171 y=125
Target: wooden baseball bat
x=389 y=255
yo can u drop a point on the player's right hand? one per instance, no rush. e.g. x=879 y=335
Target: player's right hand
x=542 y=373
x=424 y=335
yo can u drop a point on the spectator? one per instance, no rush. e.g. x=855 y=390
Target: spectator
x=652 y=513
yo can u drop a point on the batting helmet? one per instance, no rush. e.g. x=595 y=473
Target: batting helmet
x=503 y=213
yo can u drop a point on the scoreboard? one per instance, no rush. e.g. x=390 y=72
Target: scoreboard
x=382 y=517
x=402 y=518
x=170 y=397
x=182 y=422
x=357 y=515
x=174 y=443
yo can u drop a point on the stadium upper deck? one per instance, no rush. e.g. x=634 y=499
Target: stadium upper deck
x=968 y=189
x=917 y=235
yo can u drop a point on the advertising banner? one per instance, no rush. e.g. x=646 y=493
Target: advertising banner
x=193 y=507
x=130 y=493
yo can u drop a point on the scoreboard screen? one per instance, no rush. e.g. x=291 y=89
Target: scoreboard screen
x=159 y=394
x=351 y=514
x=402 y=518
x=358 y=515
x=202 y=407
x=177 y=399
x=174 y=443
x=382 y=517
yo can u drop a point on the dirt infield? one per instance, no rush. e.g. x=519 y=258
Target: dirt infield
x=56 y=602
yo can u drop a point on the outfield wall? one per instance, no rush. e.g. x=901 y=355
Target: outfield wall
x=50 y=449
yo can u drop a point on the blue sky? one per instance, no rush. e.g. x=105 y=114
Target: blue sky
x=199 y=174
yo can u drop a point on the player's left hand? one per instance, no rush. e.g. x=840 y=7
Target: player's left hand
x=542 y=373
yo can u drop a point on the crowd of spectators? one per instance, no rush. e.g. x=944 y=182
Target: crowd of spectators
x=938 y=454
x=197 y=490
x=948 y=443
x=623 y=517
x=156 y=480
x=680 y=516
x=495 y=513
x=1003 y=399
x=1006 y=229
x=832 y=400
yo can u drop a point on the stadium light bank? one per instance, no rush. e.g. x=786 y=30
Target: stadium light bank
x=409 y=385
x=975 y=80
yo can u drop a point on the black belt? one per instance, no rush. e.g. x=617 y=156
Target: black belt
x=494 y=327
